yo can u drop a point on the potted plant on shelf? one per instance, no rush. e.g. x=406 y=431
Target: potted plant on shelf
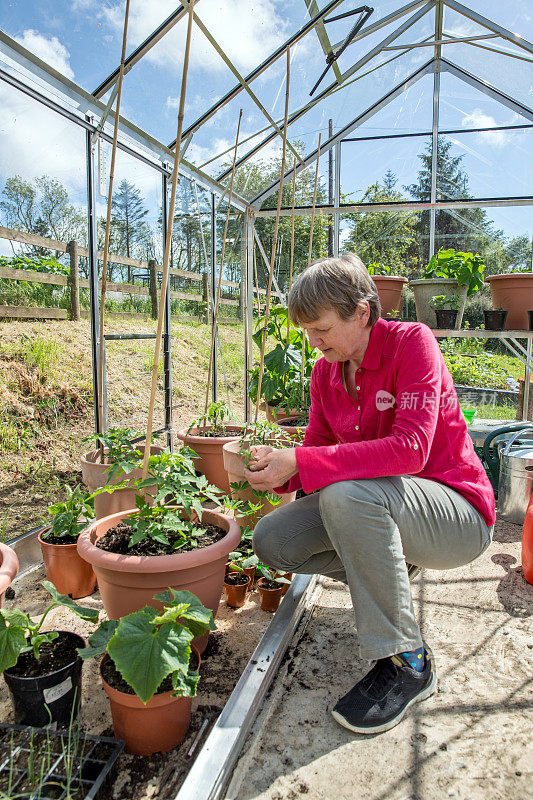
x=244 y=559
x=513 y=291
x=69 y=573
x=120 y=463
x=281 y=381
x=270 y=588
x=206 y=436
x=255 y=504
x=392 y=316
x=139 y=553
x=446 y=310
x=42 y=669
x=9 y=566
x=147 y=672
x=495 y=318
x=389 y=287
x=448 y=272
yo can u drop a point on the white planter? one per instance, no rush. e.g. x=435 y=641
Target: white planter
x=425 y=289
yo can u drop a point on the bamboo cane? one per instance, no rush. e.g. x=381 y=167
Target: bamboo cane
x=292 y=239
x=256 y=282
x=166 y=258
x=309 y=259
x=217 y=302
x=275 y=239
x=107 y=230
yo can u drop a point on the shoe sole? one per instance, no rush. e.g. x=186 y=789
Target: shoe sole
x=427 y=692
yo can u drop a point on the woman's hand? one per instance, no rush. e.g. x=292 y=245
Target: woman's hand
x=270 y=468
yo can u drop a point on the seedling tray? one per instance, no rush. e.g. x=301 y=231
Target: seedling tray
x=34 y=763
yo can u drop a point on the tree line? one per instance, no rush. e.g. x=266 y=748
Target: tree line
x=397 y=239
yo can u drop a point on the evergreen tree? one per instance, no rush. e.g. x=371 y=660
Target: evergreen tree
x=466 y=229
x=128 y=219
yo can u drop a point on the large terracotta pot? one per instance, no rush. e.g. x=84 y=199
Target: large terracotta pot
x=425 y=289
x=69 y=573
x=209 y=449
x=234 y=465
x=156 y=727
x=128 y=583
x=292 y=430
x=9 y=566
x=95 y=475
x=275 y=414
x=389 y=289
x=514 y=293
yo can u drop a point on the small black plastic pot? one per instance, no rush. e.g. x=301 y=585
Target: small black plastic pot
x=495 y=320
x=446 y=318
x=49 y=698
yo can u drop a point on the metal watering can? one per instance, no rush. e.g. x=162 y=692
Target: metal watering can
x=515 y=483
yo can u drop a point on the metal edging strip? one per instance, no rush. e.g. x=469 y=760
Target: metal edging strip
x=28 y=551
x=212 y=768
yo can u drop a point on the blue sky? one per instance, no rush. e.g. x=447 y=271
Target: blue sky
x=82 y=39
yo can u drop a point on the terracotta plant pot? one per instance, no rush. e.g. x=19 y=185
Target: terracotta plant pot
x=236 y=594
x=209 y=449
x=127 y=583
x=275 y=414
x=292 y=430
x=494 y=320
x=95 y=475
x=67 y=570
x=287 y=575
x=425 y=289
x=270 y=598
x=389 y=289
x=250 y=571
x=234 y=464
x=9 y=566
x=156 y=727
x=514 y=293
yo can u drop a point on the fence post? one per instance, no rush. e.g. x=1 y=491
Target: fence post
x=74 y=281
x=240 y=312
x=152 y=268
x=205 y=297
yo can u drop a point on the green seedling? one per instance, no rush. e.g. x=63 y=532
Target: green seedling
x=18 y=634
x=147 y=646
x=272 y=576
x=68 y=519
x=216 y=419
x=120 y=452
x=445 y=302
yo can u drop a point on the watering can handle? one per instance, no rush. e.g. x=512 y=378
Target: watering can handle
x=493 y=462
x=523 y=432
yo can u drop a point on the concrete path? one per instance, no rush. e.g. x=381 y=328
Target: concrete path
x=470 y=741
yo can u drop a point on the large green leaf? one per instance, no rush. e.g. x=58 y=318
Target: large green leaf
x=198 y=618
x=12 y=642
x=99 y=640
x=184 y=685
x=145 y=654
x=88 y=614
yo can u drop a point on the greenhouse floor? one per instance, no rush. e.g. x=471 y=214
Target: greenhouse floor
x=471 y=741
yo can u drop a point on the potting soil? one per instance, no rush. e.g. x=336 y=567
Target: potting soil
x=235 y=579
x=52 y=656
x=117 y=540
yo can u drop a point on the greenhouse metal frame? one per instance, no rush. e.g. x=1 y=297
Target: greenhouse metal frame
x=28 y=74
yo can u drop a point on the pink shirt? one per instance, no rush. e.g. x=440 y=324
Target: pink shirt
x=406 y=420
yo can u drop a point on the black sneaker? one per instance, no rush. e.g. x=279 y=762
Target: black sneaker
x=380 y=699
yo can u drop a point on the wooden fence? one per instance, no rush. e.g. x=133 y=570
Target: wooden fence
x=74 y=282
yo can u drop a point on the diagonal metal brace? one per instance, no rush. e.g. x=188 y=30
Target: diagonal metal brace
x=332 y=57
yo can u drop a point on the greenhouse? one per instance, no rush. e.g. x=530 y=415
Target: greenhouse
x=266 y=315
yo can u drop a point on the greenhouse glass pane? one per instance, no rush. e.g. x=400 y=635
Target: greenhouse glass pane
x=516 y=16
x=383 y=170
x=463 y=106
x=392 y=238
x=42 y=153
x=491 y=164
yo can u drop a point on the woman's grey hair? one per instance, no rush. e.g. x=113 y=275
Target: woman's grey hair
x=333 y=283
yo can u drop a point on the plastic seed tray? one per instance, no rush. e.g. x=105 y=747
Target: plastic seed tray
x=44 y=764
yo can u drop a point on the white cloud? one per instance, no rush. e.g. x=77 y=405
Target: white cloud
x=478 y=119
x=49 y=50
x=247 y=30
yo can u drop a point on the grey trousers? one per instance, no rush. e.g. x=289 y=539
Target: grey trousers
x=362 y=532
